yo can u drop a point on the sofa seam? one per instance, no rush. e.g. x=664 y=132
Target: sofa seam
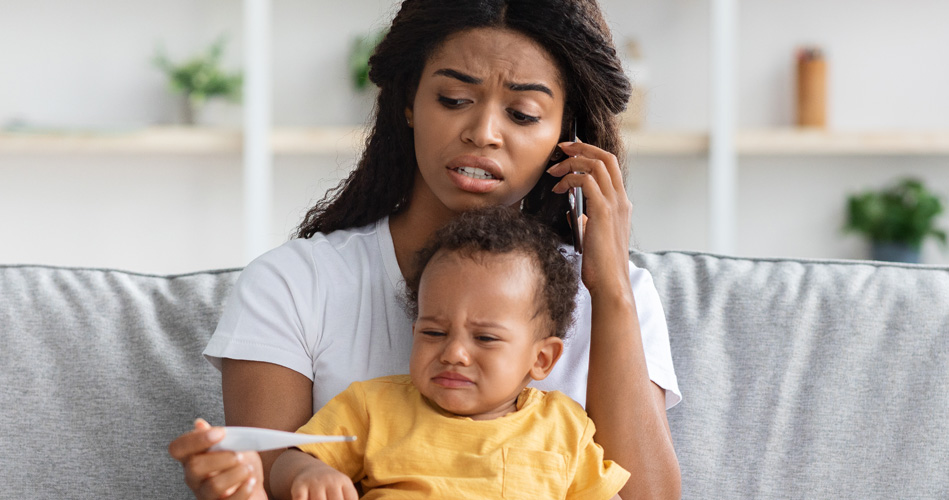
x=209 y=272
x=844 y=262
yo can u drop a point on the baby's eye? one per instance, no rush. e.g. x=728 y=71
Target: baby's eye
x=521 y=118
x=433 y=333
x=450 y=103
x=486 y=338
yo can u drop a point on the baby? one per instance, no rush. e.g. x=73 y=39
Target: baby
x=493 y=298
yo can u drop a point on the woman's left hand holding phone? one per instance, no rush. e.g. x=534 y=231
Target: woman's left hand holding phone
x=608 y=209
x=217 y=474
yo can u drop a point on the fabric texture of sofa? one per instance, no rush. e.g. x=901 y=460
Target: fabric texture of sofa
x=801 y=379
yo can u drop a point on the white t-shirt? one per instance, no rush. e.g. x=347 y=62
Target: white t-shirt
x=330 y=307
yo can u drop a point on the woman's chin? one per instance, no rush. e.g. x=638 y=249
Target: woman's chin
x=468 y=203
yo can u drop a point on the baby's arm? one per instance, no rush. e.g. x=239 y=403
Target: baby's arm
x=300 y=476
x=594 y=477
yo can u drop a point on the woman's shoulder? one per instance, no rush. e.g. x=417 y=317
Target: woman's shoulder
x=637 y=275
x=644 y=288
x=336 y=250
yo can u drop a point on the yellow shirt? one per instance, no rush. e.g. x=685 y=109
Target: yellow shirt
x=408 y=448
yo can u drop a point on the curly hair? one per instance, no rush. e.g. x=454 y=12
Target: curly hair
x=572 y=31
x=502 y=230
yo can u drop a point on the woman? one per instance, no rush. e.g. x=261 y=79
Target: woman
x=474 y=99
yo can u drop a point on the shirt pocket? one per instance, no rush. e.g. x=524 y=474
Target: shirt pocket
x=532 y=474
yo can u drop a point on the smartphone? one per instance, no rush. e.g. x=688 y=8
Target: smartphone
x=575 y=199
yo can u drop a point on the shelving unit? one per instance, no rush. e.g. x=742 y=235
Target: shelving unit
x=722 y=144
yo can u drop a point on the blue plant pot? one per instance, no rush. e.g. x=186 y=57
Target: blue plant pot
x=894 y=252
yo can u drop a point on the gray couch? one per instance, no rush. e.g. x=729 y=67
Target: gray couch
x=802 y=379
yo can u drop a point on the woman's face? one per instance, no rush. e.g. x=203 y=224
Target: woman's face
x=486 y=117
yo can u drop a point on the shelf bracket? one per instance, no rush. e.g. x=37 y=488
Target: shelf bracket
x=723 y=155
x=258 y=124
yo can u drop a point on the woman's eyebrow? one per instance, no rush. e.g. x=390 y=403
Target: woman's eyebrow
x=458 y=75
x=520 y=87
x=539 y=87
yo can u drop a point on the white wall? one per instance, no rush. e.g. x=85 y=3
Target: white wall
x=888 y=70
x=86 y=65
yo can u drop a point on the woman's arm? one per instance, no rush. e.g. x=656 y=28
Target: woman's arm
x=629 y=409
x=258 y=394
x=626 y=406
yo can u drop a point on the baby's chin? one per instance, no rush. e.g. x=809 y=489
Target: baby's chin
x=455 y=409
x=475 y=413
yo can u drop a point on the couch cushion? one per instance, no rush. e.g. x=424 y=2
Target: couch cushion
x=808 y=379
x=85 y=356
x=801 y=379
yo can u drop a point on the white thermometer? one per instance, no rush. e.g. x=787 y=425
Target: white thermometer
x=257 y=439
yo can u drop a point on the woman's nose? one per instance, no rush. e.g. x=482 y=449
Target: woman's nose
x=455 y=353
x=483 y=129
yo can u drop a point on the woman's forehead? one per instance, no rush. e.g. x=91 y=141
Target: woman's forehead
x=491 y=53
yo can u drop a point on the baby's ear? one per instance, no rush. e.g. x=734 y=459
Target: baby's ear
x=548 y=352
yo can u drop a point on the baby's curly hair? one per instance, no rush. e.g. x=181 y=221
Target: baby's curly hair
x=502 y=230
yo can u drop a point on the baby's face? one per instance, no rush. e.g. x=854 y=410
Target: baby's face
x=478 y=332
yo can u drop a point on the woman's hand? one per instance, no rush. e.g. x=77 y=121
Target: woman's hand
x=217 y=474
x=300 y=476
x=609 y=213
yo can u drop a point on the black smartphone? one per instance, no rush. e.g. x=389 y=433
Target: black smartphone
x=575 y=198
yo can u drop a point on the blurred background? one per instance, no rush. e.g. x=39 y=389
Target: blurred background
x=99 y=169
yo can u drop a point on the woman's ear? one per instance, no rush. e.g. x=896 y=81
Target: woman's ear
x=557 y=155
x=408 y=116
x=548 y=352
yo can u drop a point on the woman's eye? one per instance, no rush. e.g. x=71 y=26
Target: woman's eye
x=522 y=118
x=433 y=333
x=450 y=103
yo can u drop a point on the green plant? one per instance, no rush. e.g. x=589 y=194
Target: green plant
x=201 y=78
x=903 y=213
x=359 y=54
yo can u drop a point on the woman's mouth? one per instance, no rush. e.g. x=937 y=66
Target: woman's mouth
x=475 y=174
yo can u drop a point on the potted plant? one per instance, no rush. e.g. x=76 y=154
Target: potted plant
x=896 y=219
x=201 y=78
x=361 y=50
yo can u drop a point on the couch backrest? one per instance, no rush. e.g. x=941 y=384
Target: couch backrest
x=801 y=379
x=807 y=379
x=100 y=369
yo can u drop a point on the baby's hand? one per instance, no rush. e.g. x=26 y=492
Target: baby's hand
x=319 y=481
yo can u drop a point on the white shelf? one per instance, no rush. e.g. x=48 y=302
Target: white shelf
x=349 y=140
x=182 y=140
x=661 y=143
x=829 y=142
x=177 y=140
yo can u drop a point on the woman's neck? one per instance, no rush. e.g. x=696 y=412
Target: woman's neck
x=411 y=229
